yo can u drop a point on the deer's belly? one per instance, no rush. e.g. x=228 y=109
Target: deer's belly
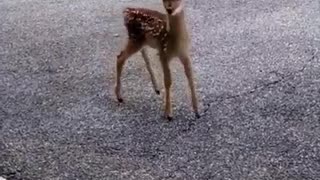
x=152 y=42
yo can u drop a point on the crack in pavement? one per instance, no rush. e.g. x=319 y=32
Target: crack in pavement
x=258 y=88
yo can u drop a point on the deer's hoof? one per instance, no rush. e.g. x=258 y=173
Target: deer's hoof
x=169 y=118
x=197 y=115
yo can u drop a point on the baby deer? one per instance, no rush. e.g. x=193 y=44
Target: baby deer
x=167 y=33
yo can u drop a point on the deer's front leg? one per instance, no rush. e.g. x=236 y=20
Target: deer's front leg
x=167 y=85
x=185 y=60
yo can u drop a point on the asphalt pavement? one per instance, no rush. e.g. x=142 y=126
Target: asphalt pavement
x=257 y=71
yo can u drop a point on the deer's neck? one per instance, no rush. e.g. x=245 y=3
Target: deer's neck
x=179 y=41
x=177 y=25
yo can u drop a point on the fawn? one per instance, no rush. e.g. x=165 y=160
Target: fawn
x=167 y=33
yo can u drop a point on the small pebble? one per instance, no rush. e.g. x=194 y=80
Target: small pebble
x=116 y=35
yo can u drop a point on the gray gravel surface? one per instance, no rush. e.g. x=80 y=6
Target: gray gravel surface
x=257 y=66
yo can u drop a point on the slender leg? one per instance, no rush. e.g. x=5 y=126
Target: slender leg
x=130 y=49
x=185 y=60
x=167 y=85
x=153 y=79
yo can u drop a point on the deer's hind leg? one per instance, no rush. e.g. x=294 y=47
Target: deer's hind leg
x=131 y=48
x=151 y=72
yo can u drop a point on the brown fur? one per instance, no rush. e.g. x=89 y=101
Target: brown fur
x=168 y=34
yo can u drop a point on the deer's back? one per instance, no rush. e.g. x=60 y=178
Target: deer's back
x=143 y=24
